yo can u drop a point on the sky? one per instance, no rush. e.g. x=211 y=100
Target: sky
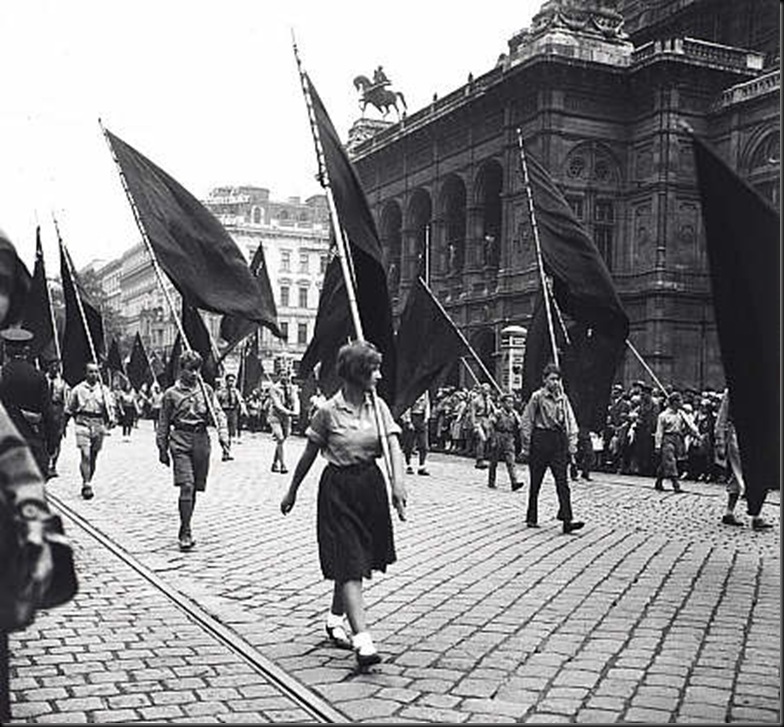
x=209 y=91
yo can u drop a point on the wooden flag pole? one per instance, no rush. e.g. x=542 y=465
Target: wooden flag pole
x=539 y=260
x=158 y=272
x=344 y=257
x=645 y=366
x=469 y=369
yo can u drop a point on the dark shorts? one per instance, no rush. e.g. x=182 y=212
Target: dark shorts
x=190 y=453
x=353 y=523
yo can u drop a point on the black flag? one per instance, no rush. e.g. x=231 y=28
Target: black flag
x=251 y=370
x=172 y=370
x=37 y=315
x=592 y=313
x=375 y=310
x=199 y=337
x=193 y=248
x=427 y=343
x=743 y=238
x=114 y=359
x=138 y=370
x=234 y=329
x=76 y=348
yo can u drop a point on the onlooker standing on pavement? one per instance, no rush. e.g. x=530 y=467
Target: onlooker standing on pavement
x=415 y=433
x=481 y=408
x=549 y=438
x=283 y=407
x=58 y=396
x=187 y=409
x=353 y=522
x=671 y=427
x=505 y=426
x=24 y=392
x=92 y=409
x=233 y=404
x=727 y=450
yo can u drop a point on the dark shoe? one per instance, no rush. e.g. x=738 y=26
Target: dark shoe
x=491 y=485
x=366 y=660
x=226 y=457
x=585 y=476
x=570 y=527
x=730 y=519
x=87 y=492
x=409 y=469
x=284 y=471
x=186 y=542
x=275 y=467
x=760 y=524
x=53 y=472
x=531 y=524
x=481 y=465
x=423 y=471
x=338 y=637
x=517 y=486
x=658 y=486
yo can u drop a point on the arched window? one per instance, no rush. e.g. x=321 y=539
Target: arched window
x=452 y=208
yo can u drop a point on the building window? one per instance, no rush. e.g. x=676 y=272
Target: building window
x=604 y=216
x=303 y=262
x=576 y=203
x=303 y=297
x=285 y=261
x=284 y=329
x=323 y=264
x=284 y=296
x=302 y=333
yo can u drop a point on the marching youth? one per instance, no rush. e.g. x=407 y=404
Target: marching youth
x=354 y=528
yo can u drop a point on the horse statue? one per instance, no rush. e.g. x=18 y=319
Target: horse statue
x=376 y=94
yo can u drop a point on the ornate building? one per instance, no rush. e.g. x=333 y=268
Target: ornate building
x=295 y=239
x=600 y=108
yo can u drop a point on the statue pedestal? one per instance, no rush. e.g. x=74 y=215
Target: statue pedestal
x=363 y=129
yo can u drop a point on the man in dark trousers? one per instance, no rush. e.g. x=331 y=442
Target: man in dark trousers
x=549 y=438
x=188 y=408
x=58 y=396
x=24 y=391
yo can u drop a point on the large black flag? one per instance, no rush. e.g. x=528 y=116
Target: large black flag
x=199 y=337
x=743 y=238
x=193 y=248
x=76 y=348
x=427 y=343
x=582 y=284
x=16 y=279
x=37 y=315
x=355 y=218
x=234 y=328
x=138 y=369
x=594 y=318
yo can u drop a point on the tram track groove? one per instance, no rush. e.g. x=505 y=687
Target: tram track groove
x=317 y=707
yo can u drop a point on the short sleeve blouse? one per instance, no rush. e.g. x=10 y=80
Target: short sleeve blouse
x=348 y=435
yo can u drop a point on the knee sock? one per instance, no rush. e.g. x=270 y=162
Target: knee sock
x=732 y=500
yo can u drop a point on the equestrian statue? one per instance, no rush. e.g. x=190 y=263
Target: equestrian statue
x=375 y=92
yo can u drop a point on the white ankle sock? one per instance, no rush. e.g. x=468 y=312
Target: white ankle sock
x=334 y=619
x=363 y=643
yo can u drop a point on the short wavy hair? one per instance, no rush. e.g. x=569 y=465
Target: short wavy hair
x=356 y=361
x=551 y=368
x=191 y=360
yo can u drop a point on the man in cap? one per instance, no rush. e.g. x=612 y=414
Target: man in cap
x=24 y=391
x=92 y=407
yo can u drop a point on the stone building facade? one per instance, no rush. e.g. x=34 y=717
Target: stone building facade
x=295 y=239
x=600 y=108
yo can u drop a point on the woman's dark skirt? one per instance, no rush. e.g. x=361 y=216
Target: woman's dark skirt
x=353 y=525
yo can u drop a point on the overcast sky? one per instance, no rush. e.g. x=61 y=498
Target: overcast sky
x=207 y=90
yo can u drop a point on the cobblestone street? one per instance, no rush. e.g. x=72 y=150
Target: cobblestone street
x=655 y=612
